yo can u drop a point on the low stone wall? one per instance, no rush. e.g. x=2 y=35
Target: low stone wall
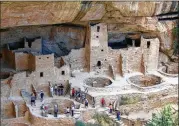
x=41 y=121
x=160 y=70
x=21 y=121
x=105 y=89
x=17 y=124
x=7 y=109
x=149 y=105
x=21 y=107
x=62 y=104
x=129 y=122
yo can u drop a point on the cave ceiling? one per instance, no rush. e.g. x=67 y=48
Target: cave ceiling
x=120 y=16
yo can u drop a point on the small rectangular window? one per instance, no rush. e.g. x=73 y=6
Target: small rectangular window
x=41 y=74
x=63 y=72
x=148 y=44
x=98 y=28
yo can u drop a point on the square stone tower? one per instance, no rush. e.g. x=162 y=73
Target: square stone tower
x=150 y=50
x=98 y=47
x=41 y=62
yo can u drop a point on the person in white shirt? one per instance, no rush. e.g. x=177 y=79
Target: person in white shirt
x=72 y=110
x=51 y=91
x=86 y=103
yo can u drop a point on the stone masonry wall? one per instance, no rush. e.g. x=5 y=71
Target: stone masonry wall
x=134 y=56
x=31 y=63
x=21 y=61
x=151 y=53
x=5 y=90
x=44 y=62
x=39 y=121
x=19 y=81
x=131 y=59
x=162 y=58
x=7 y=109
x=23 y=80
x=9 y=57
x=76 y=59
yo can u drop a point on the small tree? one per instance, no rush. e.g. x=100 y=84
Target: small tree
x=163 y=118
x=79 y=123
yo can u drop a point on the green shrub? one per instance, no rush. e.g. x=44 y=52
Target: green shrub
x=79 y=123
x=164 y=118
x=103 y=120
x=129 y=100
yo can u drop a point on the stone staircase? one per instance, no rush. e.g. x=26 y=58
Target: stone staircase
x=113 y=117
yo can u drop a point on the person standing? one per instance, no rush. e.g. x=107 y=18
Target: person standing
x=67 y=111
x=56 y=89
x=83 y=97
x=51 y=91
x=33 y=99
x=118 y=115
x=61 y=89
x=93 y=104
x=73 y=92
x=86 y=103
x=41 y=95
x=59 y=93
x=55 y=110
x=46 y=110
x=42 y=107
x=102 y=102
x=110 y=108
x=72 y=110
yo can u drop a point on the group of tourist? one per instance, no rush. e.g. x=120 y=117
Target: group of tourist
x=56 y=90
x=68 y=110
x=79 y=96
x=111 y=111
x=34 y=97
x=103 y=103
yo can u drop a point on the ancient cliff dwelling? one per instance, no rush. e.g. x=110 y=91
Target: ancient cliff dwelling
x=89 y=63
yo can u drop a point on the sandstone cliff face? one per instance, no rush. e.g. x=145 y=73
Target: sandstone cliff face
x=121 y=17
x=37 y=13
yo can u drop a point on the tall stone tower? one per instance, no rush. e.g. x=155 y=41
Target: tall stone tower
x=150 y=49
x=98 y=47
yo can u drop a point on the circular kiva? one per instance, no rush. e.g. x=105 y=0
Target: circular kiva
x=145 y=80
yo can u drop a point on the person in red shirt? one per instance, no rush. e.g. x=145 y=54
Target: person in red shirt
x=102 y=102
x=73 y=92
